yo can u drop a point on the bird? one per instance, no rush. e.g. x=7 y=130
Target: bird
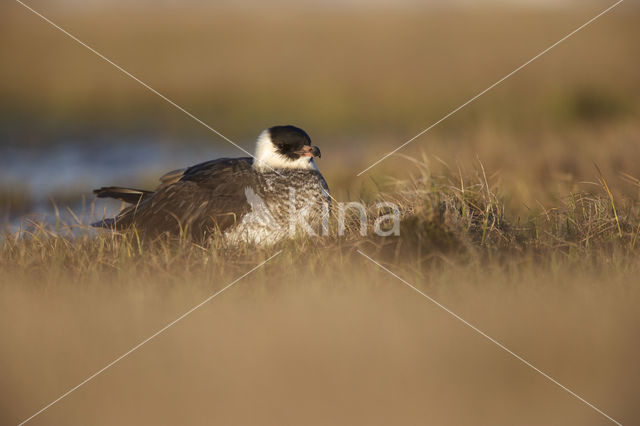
x=277 y=193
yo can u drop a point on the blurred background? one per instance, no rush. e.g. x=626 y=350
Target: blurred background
x=360 y=77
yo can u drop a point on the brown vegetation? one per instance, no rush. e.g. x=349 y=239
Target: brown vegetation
x=556 y=287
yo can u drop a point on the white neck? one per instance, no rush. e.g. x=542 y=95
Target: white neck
x=267 y=157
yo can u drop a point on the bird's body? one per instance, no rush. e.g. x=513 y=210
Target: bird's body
x=257 y=200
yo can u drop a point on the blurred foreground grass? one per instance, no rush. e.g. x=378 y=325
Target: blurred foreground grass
x=320 y=329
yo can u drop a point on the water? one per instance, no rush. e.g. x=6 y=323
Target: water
x=60 y=178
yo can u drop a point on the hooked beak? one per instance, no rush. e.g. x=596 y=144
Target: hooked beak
x=310 y=151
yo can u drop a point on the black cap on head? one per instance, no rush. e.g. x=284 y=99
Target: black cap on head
x=289 y=140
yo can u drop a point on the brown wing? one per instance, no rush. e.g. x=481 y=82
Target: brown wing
x=171 y=177
x=128 y=195
x=206 y=197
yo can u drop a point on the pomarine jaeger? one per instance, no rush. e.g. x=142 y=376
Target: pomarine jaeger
x=259 y=200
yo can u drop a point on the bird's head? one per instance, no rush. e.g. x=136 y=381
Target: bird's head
x=285 y=147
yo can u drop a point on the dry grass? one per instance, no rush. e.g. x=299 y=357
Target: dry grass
x=344 y=347
x=464 y=215
x=320 y=335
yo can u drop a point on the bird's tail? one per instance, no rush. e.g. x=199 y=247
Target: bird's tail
x=109 y=223
x=128 y=195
